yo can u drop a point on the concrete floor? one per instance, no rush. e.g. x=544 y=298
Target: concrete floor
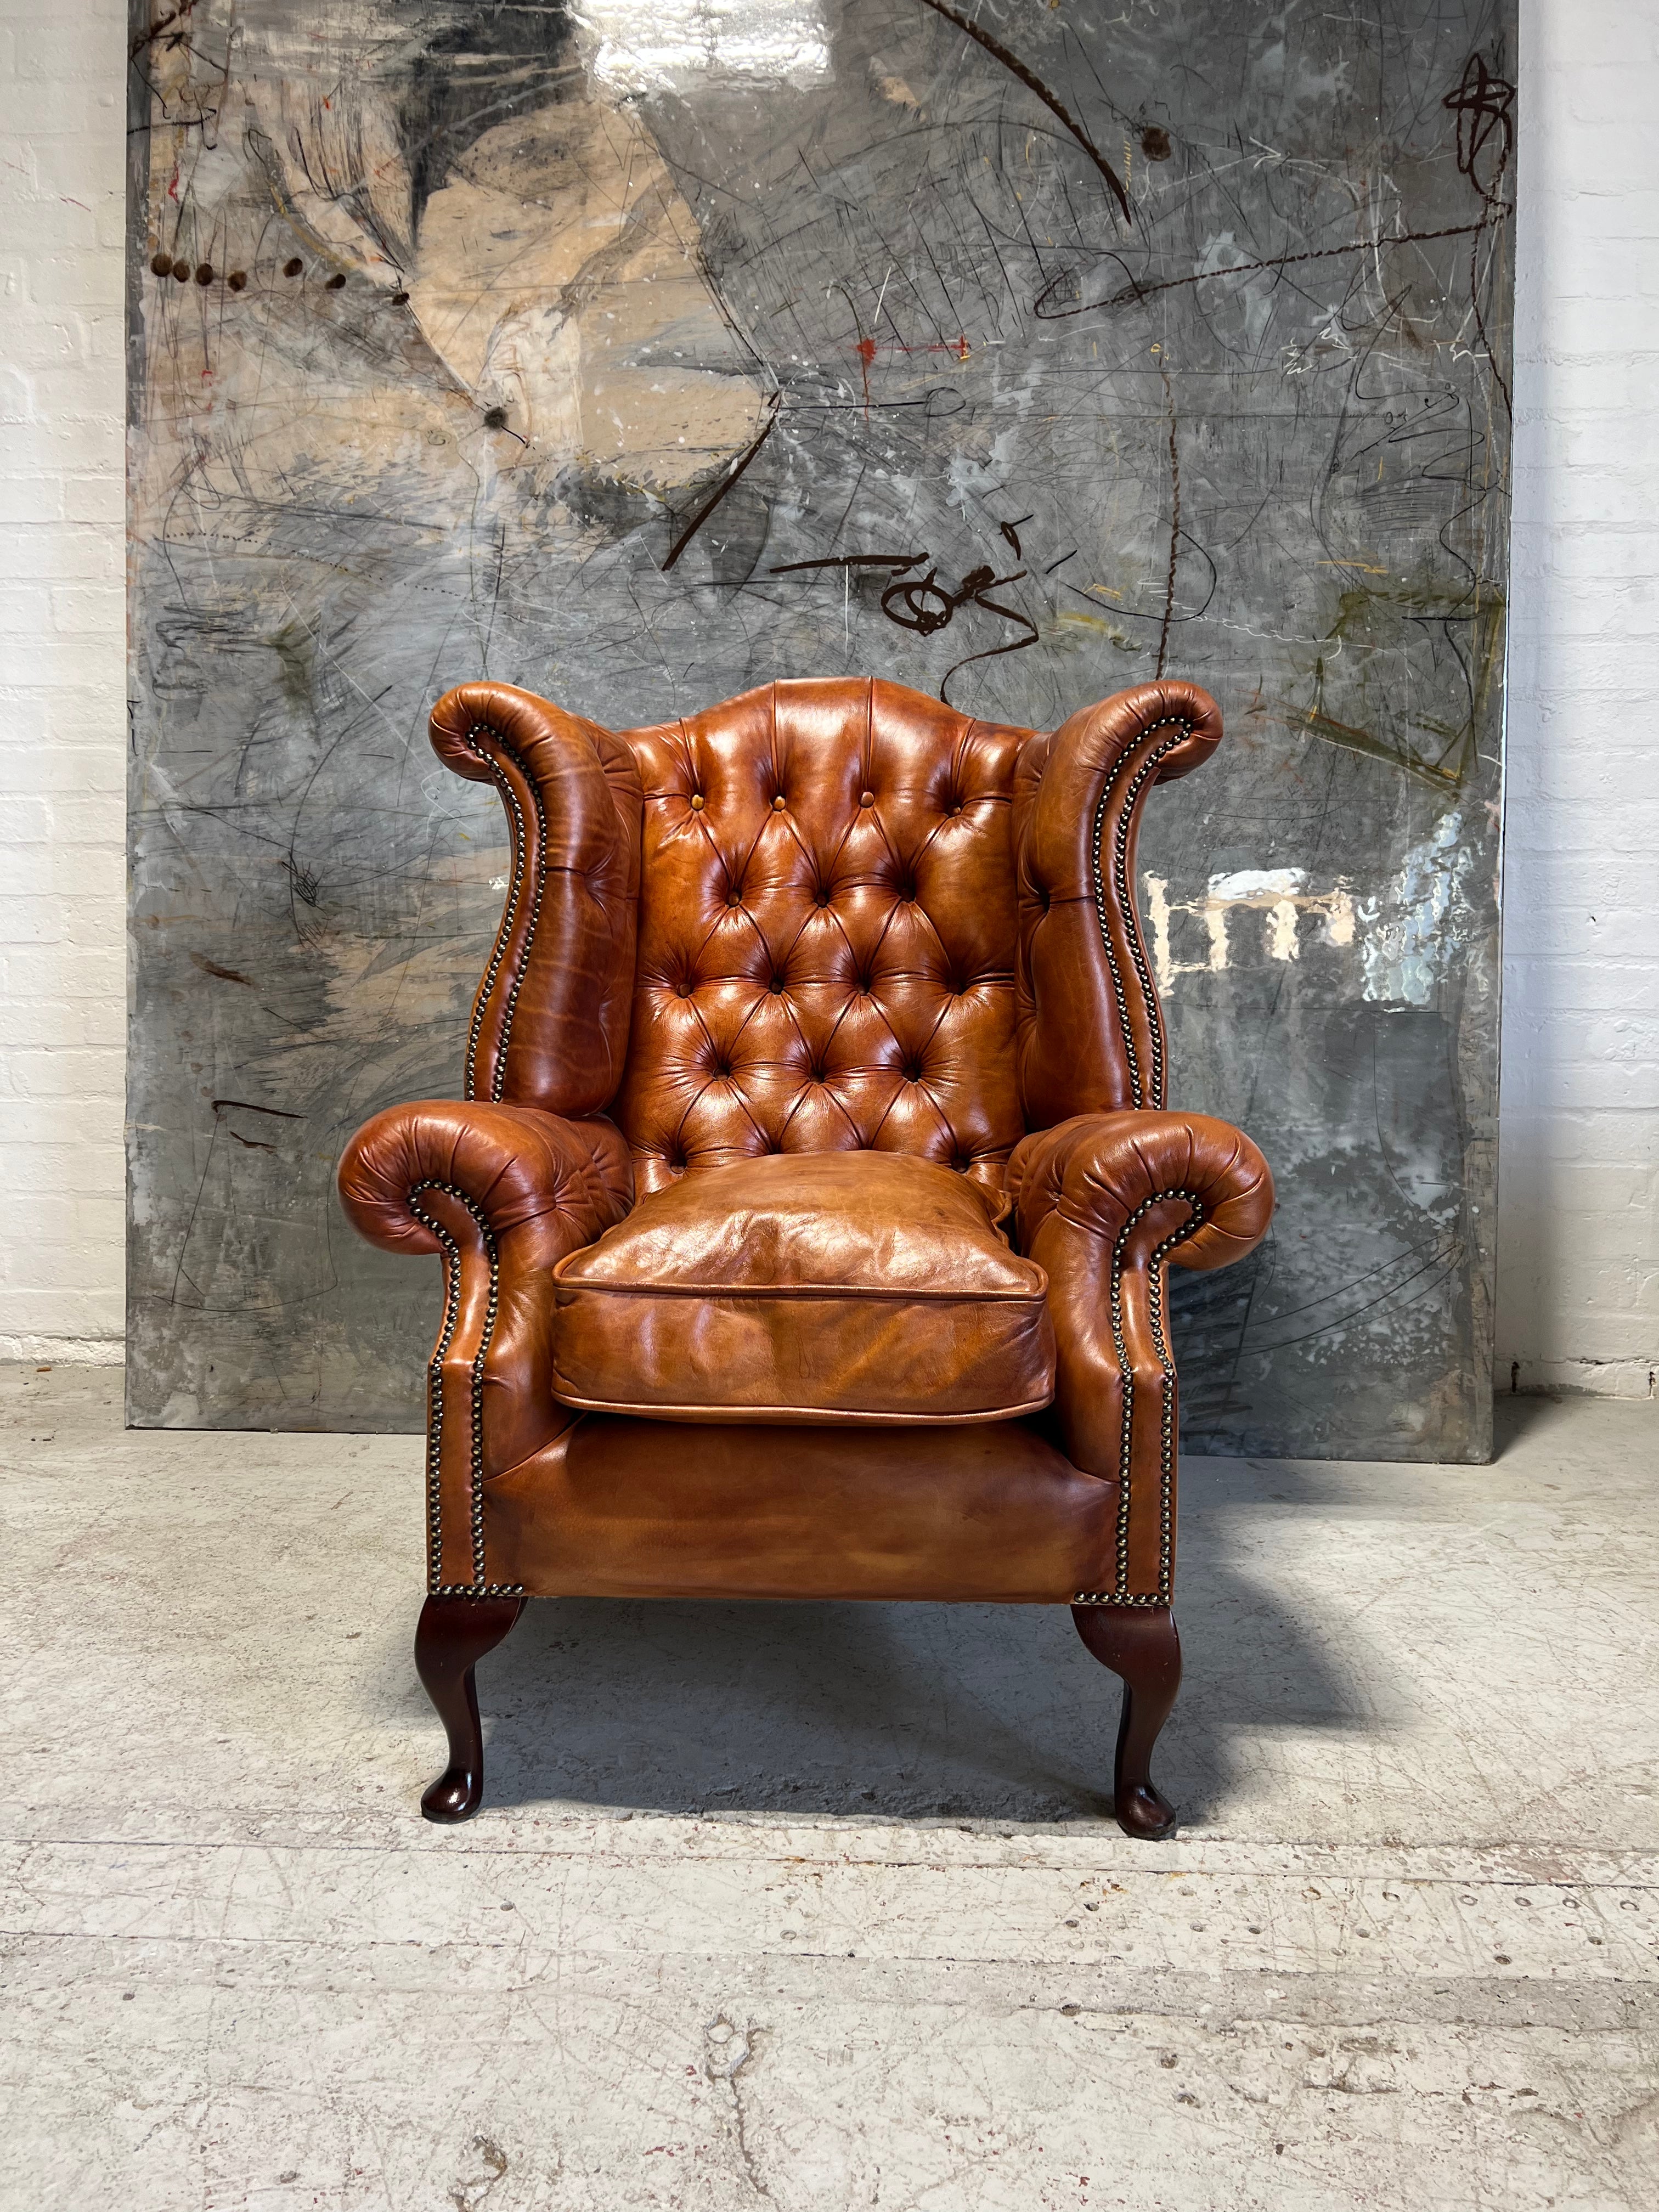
x=811 y=1907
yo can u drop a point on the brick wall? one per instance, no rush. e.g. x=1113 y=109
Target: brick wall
x=63 y=684
x=1578 y=1300
x=1578 y=1162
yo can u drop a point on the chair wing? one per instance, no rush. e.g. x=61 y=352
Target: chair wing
x=549 y=1023
x=1090 y=1030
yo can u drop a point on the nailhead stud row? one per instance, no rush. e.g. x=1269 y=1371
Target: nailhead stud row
x=503 y=935
x=1121 y=1595
x=1127 y=909
x=478 y=1587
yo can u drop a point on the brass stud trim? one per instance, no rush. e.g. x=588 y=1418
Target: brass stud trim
x=1121 y=1593
x=509 y=912
x=450 y=1251
x=1153 y=1094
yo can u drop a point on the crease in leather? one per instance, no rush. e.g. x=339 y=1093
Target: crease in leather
x=1089 y=1028
x=550 y=1021
x=544 y=1185
x=836 y=1417
x=835 y=1286
x=996 y=1514
x=1092 y=1170
x=889 y=926
x=1102 y=1199
x=944 y=965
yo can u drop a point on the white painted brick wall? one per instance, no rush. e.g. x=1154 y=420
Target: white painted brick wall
x=1578 y=1164
x=1579 y=1302
x=63 y=682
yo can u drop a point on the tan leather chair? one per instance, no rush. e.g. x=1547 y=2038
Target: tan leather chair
x=804 y=1225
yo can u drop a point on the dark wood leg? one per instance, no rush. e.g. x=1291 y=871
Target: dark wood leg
x=454 y=1634
x=1139 y=1643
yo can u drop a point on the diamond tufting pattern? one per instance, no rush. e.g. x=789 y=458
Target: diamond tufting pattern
x=826 y=930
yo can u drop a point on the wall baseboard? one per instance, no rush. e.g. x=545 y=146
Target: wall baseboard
x=64 y=1350
x=1595 y=1378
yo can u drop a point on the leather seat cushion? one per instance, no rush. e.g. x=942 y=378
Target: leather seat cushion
x=806 y=1286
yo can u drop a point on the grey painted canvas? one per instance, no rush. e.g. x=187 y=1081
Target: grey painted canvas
x=640 y=351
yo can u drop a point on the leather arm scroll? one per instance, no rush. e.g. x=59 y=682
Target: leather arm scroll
x=549 y=1023
x=1090 y=1030
x=502 y=1193
x=1102 y=1202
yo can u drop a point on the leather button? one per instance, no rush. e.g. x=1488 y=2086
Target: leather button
x=778 y=804
x=866 y=799
x=734 y=898
x=821 y=899
x=777 y=986
x=698 y=802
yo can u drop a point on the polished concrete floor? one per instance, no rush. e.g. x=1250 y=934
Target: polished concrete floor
x=823 y=1906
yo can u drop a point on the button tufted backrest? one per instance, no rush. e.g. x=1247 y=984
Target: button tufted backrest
x=827 y=934
x=863 y=921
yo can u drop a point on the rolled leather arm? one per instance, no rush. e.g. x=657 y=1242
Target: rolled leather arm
x=1102 y=1202
x=501 y=1194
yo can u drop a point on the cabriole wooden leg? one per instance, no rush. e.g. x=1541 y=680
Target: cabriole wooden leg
x=453 y=1635
x=1139 y=1643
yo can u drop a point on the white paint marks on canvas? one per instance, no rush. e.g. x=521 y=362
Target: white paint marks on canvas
x=1279 y=896
x=1407 y=935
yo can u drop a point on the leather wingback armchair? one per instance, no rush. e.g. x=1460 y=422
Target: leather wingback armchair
x=806 y=1222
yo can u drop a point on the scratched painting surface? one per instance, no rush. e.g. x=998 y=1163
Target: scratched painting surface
x=639 y=352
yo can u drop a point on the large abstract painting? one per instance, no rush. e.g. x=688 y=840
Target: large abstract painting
x=637 y=351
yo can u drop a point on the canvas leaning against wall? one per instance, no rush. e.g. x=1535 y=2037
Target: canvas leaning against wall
x=641 y=351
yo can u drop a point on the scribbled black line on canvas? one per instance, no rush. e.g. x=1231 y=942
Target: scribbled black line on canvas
x=639 y=390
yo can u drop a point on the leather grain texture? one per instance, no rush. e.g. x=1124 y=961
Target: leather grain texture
x=549 y=1023
x=827 y=933
x=1090 y=1030
x=827 y=977
x=995 y=1515
x=501 y=1194
x=1103 y=1201
x=835 y=1286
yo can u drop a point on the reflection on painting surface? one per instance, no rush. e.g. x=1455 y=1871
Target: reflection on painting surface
x=638 y=355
